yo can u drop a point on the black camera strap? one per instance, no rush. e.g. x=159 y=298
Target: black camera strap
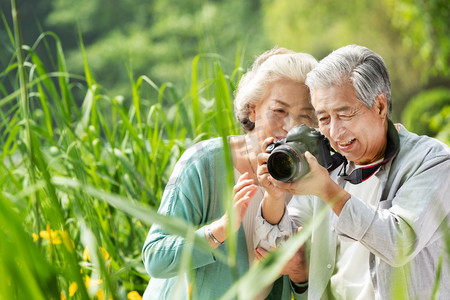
x=361 y=174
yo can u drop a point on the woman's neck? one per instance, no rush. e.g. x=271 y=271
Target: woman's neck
x=244 y=155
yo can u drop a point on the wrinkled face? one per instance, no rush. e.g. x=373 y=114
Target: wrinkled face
x=285 y=105
x=354 y=130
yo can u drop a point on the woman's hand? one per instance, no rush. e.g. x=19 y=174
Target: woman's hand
x=272 y=208
x=264 y=178
x=243 y=192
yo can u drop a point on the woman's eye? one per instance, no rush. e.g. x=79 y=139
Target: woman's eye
x=281 y=111
x=307 y=117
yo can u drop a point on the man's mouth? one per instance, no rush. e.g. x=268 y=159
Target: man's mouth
x=347 y=143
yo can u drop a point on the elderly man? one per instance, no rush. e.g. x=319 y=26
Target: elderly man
x=384 y=237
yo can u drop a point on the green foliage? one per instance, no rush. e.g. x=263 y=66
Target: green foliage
x=441 y=123
x=319 y=27
x=156 y=38
x=428 y=113
x=425 y=26
x=83 y=166
x=81 y=176
x=159 y=38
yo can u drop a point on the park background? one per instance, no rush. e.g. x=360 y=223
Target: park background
x=106 y=95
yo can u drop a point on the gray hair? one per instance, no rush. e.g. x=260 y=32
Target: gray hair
x=359 y=65
x=273 y=65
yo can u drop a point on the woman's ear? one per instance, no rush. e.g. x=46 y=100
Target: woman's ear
x=381 y=106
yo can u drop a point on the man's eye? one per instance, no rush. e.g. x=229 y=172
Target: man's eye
x=323 y=119
x=345 y=117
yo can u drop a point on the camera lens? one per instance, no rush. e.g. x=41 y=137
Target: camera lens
x=287 y=163
x=283 y=164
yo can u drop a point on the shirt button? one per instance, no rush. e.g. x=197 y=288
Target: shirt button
x=329 y=266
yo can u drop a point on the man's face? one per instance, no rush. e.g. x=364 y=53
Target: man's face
x=354 y=130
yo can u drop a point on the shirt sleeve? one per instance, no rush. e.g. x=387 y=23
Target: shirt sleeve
x=191 y=195
x=163 y=252
x=402 y=226
x=269 y=236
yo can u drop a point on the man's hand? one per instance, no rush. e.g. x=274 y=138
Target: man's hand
x=316 y=182
x=296 y=267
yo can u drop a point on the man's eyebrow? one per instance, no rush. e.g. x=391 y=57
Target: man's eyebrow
x=339 y=109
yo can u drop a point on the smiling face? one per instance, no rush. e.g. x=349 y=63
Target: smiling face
x=354 y=130
x=285 y=105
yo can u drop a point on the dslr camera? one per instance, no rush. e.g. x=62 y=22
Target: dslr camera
x=287 y=161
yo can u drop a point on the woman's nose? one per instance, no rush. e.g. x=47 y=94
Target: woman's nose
x=287 y=124
x=290 y=122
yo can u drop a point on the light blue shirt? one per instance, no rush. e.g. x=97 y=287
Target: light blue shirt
x=405 y=231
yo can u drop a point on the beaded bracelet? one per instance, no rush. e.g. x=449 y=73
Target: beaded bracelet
x=208 y=230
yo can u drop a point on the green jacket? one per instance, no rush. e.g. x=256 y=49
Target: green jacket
x=196 y=193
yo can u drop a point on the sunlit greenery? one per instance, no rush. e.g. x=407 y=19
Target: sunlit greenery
x=95 y=116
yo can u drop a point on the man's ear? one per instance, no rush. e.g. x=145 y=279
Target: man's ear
x=380 y=106
x=252 y=112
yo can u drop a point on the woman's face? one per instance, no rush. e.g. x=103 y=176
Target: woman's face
x=285 y=105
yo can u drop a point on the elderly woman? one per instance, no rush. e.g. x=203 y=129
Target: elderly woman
x=271 y=99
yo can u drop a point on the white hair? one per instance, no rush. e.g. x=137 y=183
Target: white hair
x=361 y=66
x=273 y=65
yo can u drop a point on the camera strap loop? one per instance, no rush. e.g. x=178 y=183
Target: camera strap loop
x=361 y=174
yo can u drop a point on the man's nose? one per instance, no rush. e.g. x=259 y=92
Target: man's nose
x=335 y=129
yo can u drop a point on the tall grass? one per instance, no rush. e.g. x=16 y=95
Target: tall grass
x=81 y=177
x=81 y=183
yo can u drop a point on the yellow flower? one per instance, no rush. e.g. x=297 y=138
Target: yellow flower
x=62 y=296
x=86 y=256
x=68 y=242
x=100 y=295
x=89 y=282
x=73 y=287
x=134 y=296
x=105 y=253
x=51 y=236
x=139 y=223
x=35 y=237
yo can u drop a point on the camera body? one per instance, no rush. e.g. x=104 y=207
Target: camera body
x=287 y=161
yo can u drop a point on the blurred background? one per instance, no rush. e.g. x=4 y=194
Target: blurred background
x=159 y=39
